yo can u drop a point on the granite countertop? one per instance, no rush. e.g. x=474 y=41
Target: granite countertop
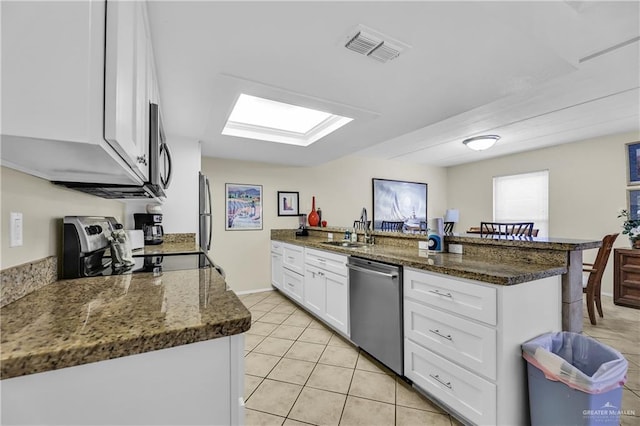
x=462 y=266
x=564 y=244
x=78 y=321
x=181 y=247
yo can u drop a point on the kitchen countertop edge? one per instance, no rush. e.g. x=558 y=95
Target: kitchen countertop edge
x=231 y=317
x=455 y=265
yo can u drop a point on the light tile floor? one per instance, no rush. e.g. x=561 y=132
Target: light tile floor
x=299 y=372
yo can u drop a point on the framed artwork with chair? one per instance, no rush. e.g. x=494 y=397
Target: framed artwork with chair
x=399 y=206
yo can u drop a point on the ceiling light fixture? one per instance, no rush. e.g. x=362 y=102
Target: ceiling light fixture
x=480 y=143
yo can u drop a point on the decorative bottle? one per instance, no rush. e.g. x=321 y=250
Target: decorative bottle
x=313 y=217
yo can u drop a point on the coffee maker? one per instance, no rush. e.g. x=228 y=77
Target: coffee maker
x=151 y=225
x=302 y=226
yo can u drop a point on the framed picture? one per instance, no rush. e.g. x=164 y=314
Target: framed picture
x=633 y=196
x=288 y=203
x=633 y=163
x=399 y=205
x=244 y=207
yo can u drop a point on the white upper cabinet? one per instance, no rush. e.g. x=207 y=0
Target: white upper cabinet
x=72 y=110
x=127 y=83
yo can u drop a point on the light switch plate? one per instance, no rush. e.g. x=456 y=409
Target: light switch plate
x=15 y=229
x=329 y=236
x=423 y=245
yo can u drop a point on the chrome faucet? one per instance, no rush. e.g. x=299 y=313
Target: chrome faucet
x=368 y=239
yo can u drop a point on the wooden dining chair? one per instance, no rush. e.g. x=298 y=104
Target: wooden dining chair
x=360 y=226
x=591 y=283
x=392 y=226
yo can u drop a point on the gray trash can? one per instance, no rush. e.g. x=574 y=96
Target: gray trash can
x=574 y=380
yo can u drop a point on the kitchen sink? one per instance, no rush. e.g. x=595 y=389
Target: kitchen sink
x=345 y=244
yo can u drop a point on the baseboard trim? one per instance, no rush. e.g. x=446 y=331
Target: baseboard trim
x=260 y=290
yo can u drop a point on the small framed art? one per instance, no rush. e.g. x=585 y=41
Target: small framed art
x=288 y=203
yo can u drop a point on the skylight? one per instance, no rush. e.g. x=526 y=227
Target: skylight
x=264 y=119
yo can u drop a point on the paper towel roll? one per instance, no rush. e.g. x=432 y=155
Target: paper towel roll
x=136 y=238
x=436 y=226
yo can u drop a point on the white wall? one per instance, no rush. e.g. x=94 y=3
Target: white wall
x=341 y=187
x=180 y=209
x=587 y=187
x=43 y=205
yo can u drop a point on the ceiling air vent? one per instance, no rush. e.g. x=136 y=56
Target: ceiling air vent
x=374 y=44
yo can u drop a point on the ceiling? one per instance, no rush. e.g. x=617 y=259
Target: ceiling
x=535 y=73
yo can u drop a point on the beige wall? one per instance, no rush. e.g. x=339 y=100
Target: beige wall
x=341 y=188
x=587 y=187
x=42 y=205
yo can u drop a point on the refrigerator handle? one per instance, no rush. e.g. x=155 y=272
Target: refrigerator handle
x=210 y=214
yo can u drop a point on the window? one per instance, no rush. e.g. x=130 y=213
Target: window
x=523 y=198
x=264 y=119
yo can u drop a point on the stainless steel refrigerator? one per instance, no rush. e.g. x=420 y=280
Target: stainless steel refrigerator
x=205 y=218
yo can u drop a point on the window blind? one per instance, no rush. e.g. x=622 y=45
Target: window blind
x=523 y=198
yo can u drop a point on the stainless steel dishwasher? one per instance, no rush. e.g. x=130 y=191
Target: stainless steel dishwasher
x=375 y=306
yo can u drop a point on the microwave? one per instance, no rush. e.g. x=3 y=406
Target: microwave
x=160 y=169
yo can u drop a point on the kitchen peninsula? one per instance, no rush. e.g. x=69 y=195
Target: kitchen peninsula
x=489 y=259
x=144 y=348
x=464 y=315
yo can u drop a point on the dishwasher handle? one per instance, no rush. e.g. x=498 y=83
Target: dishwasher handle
x=371 y=271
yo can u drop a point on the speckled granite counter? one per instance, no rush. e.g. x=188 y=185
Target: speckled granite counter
x=463 y=266
x=168 y=248
x=73 y=322
x=492 y=259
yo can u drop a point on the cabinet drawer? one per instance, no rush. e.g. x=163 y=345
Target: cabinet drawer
x=293 y=258
x=277 y=247
x=464 y=392
x=468 y=343
x=292 y=284
x=462 y=297
x=331 y=262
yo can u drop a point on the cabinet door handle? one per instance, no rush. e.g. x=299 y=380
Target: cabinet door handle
x=436 y=331
x=291 y=258
x=441 y=294
x=442 y=382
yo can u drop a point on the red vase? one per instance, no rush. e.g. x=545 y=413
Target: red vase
x=313 y=217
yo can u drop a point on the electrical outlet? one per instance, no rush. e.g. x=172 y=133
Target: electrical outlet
x=329 y=236
x=455 y=248
x=423 y=245
x=15 y=229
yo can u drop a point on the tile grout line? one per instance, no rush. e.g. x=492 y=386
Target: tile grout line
x=326 y=345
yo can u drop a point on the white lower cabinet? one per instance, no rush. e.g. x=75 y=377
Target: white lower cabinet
x=198 y=383
x=326 y=288
x=276 y=265
x=465 y=392
x=293 y=285
x=314 y=290
x=462 y=342
x=316 y=279
x=337 y=306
